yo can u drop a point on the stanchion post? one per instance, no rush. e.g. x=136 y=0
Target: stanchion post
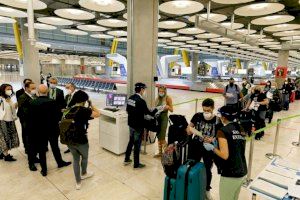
x=251 y=150
x=145 y=142
x=196 y=106
x=297 y=144
x=274 y=154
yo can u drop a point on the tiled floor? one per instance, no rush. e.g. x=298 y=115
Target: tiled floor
x=112 y=180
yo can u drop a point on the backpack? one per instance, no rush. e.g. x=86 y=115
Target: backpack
x=67 y=127
x=177 y=129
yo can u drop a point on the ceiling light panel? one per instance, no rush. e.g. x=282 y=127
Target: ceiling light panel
x=171 y=24
x=92 y=28
x=11 y=12
x=190 y=31
x=272 y=19
x=117 y=33
x=56 y=21
x=74 y=32
x=212 y=16
x=41 y=26
x=259 y=9
x=232 y=26
x=75 y=14
x=182 y=38
x=7 y=20
x=165 y=34
x=102 y=36
x=181 y=7
x=114 y=23
x=282 y=27
x=37 y=5
x=104 y=6
x=207 y=36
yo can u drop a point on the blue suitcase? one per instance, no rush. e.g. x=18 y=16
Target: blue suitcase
x=191 y=181
x=169 y=189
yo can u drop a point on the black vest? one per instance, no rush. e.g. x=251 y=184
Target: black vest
x=235 y=165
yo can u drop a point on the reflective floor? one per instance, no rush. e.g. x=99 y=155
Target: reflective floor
x=112 y=180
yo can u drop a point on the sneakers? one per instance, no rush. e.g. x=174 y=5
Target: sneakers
x=127 y=162
x=208 y=196
x=87 y=175
x=64 y=164
x=78 y=186
x=139 y=166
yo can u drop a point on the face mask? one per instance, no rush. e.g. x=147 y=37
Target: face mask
x=145 y=94
x=256 y=91
x=8 y=92
x=268 y=83
x=69 y=91
x=161 y=94
x=52 y=86
x=33 y=92
x=231 y=84
x=207 y=115
x=285 y=82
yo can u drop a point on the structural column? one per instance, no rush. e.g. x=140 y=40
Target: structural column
x=62 y=67
x=142 y=45
x=108 y=68
x=31 y=66
x=195 y=60
x=282 y=66
x=82 y=66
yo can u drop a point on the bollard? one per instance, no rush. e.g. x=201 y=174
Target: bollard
x=196 y=106
x=297 y=144
x=251 y=150
x=274 y=154
x=145 y=142
x=253 y=196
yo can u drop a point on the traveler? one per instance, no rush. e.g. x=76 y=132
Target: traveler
x=136 y=109
x=44 y=117
x=268 y=90
x=48 y=78
x=56 y=93
x=80 y=146
x=245 y=86
x=232 y=95
x=71 y=90
x=163 y=100
x=8 y=133
x=230 y=155
x=22 y=90
x=206 y=123
x=23 y=108
x=258 y=104
x=267 y=87
x=286 y=92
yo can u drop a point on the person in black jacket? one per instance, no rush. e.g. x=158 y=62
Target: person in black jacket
x=45 y=116
x=56 y=93
x=136 y=109
x=286 y=92
x=23 y=107
x=22 y=90
x=71 y=90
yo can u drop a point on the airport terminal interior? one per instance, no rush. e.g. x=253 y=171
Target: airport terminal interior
x=243 y=55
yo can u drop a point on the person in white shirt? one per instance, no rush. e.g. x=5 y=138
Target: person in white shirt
x=8 y=133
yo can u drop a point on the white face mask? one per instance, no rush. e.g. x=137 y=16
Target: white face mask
x=33 y=92
x=145 y=94
x=8 y=92
x=207 y=115
x=161 y=94
x=52 y=86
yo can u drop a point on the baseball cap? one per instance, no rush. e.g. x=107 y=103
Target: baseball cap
x=140 y=85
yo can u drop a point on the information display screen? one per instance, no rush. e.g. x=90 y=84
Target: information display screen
x=116 y=99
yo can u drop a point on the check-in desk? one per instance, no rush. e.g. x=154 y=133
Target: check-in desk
x=114 y=131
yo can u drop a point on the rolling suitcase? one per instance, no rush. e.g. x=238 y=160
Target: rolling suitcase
x=292 y=97
x=170 y=189
x=191 y=181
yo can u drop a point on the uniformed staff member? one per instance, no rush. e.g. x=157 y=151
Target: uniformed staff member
x=136 y=109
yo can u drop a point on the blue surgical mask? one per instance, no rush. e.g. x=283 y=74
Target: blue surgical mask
x=161 y=94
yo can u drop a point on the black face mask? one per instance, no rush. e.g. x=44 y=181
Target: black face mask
x=256 y=91
x=231 y=84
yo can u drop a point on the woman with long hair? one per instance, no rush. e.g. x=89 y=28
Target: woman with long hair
x=163 y=99
x=8 y=133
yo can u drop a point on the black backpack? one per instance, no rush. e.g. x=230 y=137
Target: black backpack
x=177 y=129
x=67 y=127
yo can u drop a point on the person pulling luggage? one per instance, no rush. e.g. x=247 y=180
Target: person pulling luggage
x=230 y=155
x=136 y=109
x=206 y=123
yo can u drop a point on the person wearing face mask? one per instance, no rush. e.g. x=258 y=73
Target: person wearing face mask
x=43 y=125
x=259 y=102
x=8 y=133
x=286 y=92
x=269 y=91
x=245 y=86
x=163 y=100
x=229 y=155
x=80 y=147
x=56 y=93
x=71 y=90
x=23 y=106
x=206 y=123
x=136 y=109
x=232 y=95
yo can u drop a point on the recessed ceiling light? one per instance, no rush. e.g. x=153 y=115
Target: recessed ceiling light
x=7 y=9
x=274 y=17
x=181 y=3
x=75 y=11
x=258 y=6
x=103 y=2
x=170 y=22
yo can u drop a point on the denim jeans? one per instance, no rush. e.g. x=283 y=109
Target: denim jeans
x=79 y=151
x=135 y=141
